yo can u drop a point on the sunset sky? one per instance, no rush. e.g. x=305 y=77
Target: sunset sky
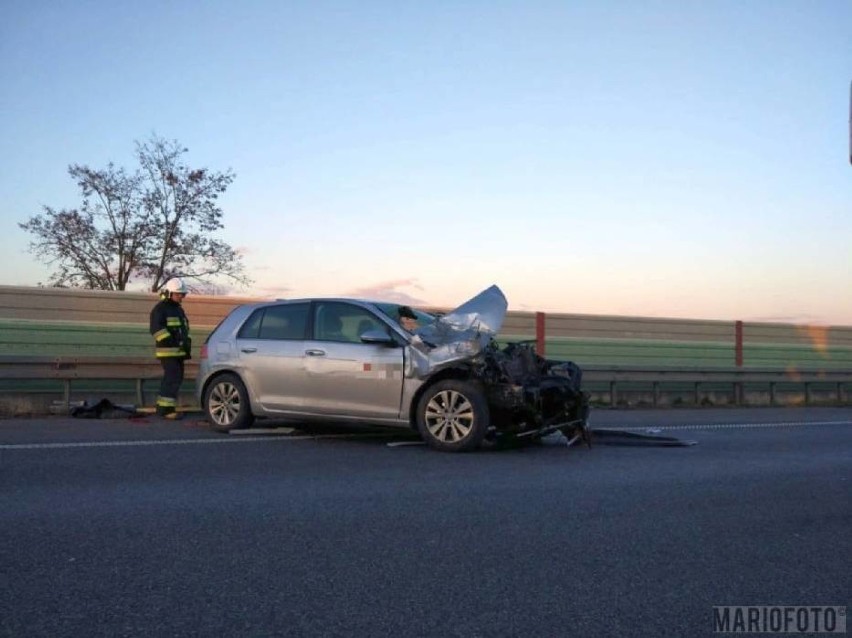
x=681 y=159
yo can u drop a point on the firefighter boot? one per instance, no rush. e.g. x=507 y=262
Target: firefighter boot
x=166 y=411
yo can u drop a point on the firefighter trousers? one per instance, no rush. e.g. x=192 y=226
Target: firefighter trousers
x=170 y=385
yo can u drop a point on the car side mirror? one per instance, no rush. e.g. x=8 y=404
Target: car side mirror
x=378 y=337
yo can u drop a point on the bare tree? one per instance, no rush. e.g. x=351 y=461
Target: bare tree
x=153 y=224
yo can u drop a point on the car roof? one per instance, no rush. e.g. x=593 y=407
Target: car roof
x=311 y=299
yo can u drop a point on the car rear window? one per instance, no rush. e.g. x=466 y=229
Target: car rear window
x=287 y=321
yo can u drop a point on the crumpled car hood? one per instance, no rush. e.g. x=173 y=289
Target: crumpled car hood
x=458 y=335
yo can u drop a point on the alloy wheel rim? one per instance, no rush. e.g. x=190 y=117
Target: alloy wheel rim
x=224 y=403
x=449 y=416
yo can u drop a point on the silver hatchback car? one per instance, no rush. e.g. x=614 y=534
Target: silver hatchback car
x=351 y=360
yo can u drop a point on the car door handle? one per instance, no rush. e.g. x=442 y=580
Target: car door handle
x=249 y=349
x=315 y=353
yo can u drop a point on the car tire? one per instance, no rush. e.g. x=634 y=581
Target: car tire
x=452 y=416
x=226 y=404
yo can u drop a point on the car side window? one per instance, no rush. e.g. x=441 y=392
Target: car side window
x=251 y=328
x=284 y=322
x=342 y=322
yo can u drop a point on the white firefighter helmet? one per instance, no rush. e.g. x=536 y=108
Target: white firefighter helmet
x=175 y=284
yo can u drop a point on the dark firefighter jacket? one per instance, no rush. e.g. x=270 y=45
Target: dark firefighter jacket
x=170 y=328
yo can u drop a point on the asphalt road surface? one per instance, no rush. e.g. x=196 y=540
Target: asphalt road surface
x=149 y=528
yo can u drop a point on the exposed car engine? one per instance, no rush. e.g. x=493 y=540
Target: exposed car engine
x=529 y=394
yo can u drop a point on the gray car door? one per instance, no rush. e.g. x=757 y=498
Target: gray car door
x=342 y=375
x=271 y=345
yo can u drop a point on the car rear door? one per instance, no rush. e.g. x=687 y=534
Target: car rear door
x=342 y=375
x=270 y=346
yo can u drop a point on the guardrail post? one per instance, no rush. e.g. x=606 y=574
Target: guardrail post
x=656 y=387
x=66 y=393
x=140 y=395
x=738 y=344
x=807 y=393
x=840 y=392
x=539 y=334
x=613 y=394
x=771 y=393
x=697 y=393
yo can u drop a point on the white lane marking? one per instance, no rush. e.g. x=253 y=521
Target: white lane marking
x=241 y=439
x=722 y=426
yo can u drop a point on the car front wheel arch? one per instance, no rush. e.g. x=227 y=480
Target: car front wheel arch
x=452 y=415
x=458 y=373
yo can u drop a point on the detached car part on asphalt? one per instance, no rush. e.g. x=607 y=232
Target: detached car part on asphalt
x=349 y=360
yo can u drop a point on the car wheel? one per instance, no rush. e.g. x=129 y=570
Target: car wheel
x=226 y=404
x=452 y=416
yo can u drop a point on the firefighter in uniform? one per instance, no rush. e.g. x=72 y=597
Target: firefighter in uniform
x=170 y=329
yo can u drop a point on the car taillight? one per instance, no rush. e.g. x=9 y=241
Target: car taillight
x=204 y=351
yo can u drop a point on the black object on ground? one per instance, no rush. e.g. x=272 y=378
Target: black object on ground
x=607 y=436
x=103 y=409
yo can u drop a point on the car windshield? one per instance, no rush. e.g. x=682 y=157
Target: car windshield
x=392 y=311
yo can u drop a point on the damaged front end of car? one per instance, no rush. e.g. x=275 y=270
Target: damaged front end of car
x=528 y=396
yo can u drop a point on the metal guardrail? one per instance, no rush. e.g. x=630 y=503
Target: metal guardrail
x=70 y=369
x=738 y=378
